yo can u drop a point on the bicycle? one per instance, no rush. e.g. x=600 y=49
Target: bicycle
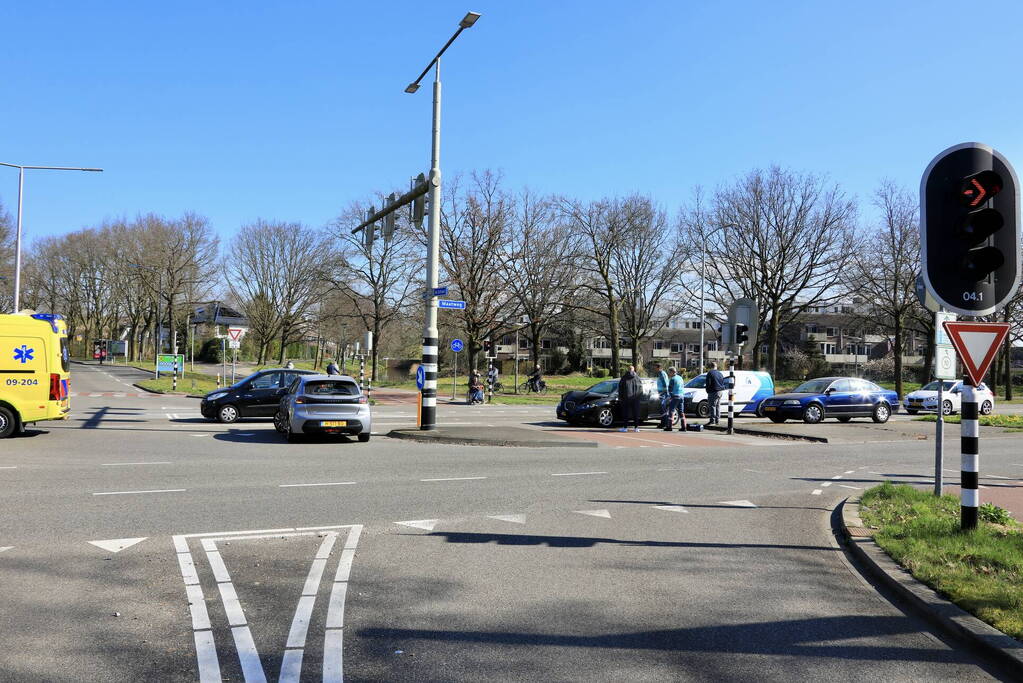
x=527 y=387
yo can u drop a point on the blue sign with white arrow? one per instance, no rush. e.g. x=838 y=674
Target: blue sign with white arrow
x=457 y=345
x=420 y=377
x=450 y=303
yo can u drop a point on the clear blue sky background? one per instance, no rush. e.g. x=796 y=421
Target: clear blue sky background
x=292 y=110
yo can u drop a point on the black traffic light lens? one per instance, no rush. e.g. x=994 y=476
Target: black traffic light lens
x=979 y=225
x=979 y=263
x=980 y=187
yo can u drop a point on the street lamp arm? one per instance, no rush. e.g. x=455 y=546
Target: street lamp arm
x=469 y=19
x=52 y=168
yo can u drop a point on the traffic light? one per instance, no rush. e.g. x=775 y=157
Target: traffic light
x=367 y=232
x=486 y=346
x=388 y=230
x=418 y=206
x=741 y=336
x=969 y=229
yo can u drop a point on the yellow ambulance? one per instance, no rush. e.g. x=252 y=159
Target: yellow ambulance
x=34 y=375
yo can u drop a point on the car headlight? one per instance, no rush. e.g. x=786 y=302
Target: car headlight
x=218 y=395
x=791 y=402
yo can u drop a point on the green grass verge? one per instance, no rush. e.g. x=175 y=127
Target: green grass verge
x=190 y=383
x=1011 y=421
x=980 y=570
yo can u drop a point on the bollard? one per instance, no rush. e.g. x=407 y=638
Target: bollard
x=174 y=379
x=970 y=463
x=731 y=394
x=218 y=380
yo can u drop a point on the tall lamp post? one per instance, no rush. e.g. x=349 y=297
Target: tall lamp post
x=428 y=416
x=17 y=239
x=159 y=321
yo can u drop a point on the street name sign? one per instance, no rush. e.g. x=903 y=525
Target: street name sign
x=440 y=291
x=450 y=303
x=977 y=344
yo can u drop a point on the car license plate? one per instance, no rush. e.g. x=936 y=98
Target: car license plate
x=768 y=408
x=334 y=423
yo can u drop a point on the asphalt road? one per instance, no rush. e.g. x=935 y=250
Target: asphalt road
x=142 y=543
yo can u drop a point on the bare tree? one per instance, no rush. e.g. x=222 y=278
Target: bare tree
x=539 y=265
x=781 y=238
x=275 y=270
x=375 y=282
x=474 y=234
x=886 y=265
x=6 y=260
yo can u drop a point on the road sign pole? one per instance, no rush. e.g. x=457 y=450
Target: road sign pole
x=939 y=440
x=234 y=364
x=731 y=391
x=174 y=380
x=454 y=376
x=490 y=379
x=428 y=420
x=969 y=438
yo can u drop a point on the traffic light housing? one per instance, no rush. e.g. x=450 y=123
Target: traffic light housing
x=369 y=230
x=741 y=334
x=388 y=230
x=970 y=229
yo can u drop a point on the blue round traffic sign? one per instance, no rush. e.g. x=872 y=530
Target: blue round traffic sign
x=420 y=377
x=457 y=345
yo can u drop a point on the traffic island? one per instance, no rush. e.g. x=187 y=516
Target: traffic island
x=773 y=434
x=858 y=538
x=491 y=436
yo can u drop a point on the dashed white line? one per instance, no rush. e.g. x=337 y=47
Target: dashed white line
x=851 y=487
x=575 y=474
x=9 y=467
x=122 y=464
x=327 y=483
x=453 y=479
x=837 y=476
x=850 y=471
x=124 y=493
x=816 y=492
x=826 y=484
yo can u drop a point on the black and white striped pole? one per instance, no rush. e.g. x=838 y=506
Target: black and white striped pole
x=362 y=373
x=490 y=378
x=174 y=380
x=731 y=393
x=970 y=448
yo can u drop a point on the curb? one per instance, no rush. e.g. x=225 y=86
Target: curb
x=167 y=393
x=486 y=441
x=947 y=616
x=749 y=431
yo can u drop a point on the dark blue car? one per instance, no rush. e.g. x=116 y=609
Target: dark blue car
x=840 y=397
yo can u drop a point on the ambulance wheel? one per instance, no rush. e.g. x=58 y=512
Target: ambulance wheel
x=8 y=422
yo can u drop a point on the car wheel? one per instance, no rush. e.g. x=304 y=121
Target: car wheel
x=759 y=412
x=703 y=409
x=813 y=414
x=777 y=419
x=280 y=422
x=7 y=423
x=844 y=419
x=364 y=437
x=986 y=408
x=881 y=413
x=228 y=414
x=911 y=411
x=946 y=407
x=605 y=417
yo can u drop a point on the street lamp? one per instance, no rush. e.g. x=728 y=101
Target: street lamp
x=17 y=239
x=159 y=321
x=428 y=417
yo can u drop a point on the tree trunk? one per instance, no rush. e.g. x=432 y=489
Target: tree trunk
x=613 y=319
x=773 y=341
x=637 y=359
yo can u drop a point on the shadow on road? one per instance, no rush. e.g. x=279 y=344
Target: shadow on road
x=590 y=541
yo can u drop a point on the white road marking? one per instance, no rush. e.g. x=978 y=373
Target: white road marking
x=816 y=492
x=453 y=479
x=333 y=634
x=738 y=503
x=9 y=467
x=995 y=476
x=826 y=484
x=575 y=474
x=239 y=533
x=124 y=464
x=426 y=524
x=199 y=435
x=252 y=668
x=123 y=493
x=670 y=508
x=328 y=483
x=253 y=537
x=206 y=651
x=116 y=545
x=233 y=608
x=595 y=513
x=5 y=548
x=197 y=606
x=857 y=488
x=837 y=476
x=850 y=471
x=517 y=519
x=332 y=661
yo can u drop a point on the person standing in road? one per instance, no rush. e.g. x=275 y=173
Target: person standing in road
x=332 y=368
x=676 y=397
x=715 y=385
x=630 y=393
x=662 y=393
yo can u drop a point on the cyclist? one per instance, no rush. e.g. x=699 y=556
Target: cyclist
x=536 y=379
x=475 y=388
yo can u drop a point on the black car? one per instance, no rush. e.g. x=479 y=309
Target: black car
x=598 y=405
x=258 y=395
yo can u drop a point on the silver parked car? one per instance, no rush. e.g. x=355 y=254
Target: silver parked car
x=323 y=404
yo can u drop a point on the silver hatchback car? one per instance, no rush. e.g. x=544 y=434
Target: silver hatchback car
x=323 y=404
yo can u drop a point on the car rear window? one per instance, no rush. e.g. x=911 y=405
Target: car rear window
x=331 y=387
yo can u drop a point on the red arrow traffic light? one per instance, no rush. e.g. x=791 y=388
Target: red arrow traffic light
x=979 y=188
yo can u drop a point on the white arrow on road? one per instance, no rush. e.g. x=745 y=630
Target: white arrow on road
x=738 y=503
x=427 y=524
x=116 y=545
x=595 y=513
x=671 y=508
x=517 y=519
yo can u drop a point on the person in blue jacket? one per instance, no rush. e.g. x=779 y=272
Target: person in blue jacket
x=716 y=384
x=676 y=398
x=662 y=393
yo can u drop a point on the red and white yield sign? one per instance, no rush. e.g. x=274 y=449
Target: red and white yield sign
x=977 y=344
x=236 y=333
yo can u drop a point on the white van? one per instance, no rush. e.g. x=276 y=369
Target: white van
x=751 y=388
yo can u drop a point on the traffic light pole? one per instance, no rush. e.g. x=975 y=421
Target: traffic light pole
x=970 y=461
x=428 y=417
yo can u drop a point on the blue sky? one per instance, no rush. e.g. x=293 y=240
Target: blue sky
x=290 y=111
